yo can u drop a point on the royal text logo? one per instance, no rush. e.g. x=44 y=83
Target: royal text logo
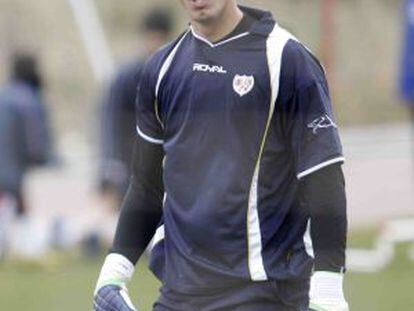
x=208 y=68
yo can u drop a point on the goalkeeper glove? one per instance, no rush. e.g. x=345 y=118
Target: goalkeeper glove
x=111 y=293
x=326 y=292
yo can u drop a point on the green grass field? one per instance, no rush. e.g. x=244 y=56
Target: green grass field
x=66 y=283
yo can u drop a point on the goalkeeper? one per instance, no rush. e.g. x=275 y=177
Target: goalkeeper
x=237 y=173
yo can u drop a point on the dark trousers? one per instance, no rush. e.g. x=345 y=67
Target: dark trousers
x=261 y=296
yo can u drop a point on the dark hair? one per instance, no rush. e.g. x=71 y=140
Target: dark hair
x=158 y=20
x=25 y=69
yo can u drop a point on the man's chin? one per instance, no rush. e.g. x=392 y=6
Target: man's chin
x=202 y=18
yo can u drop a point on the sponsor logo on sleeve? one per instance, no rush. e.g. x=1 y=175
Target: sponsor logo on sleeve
x=323 y=122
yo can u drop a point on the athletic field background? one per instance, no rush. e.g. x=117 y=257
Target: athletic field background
x=379 y=179
x=65 y=283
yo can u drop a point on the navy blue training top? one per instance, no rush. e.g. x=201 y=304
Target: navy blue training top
x=241 y=122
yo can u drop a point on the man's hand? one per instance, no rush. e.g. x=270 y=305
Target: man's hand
x=112 y=297
x=111 y=293
x=326 y=292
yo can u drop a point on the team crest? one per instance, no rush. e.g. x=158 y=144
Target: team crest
x=242 y=85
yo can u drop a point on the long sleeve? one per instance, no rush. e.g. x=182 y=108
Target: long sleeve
x=324 y=195
x=142 y=207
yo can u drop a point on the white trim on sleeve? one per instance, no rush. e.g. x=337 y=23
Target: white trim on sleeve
x=320 y=166
x=149 y=138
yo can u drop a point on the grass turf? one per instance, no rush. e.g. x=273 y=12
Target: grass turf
x=65 y=282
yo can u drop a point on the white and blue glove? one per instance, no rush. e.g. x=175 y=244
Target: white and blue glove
x=111 y=293
x=326 y=292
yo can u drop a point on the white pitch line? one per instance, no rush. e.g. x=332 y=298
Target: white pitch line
x=375 y=260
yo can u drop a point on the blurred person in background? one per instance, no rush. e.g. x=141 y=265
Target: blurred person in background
x=118 y=126
x=25 y=138
x=407 y=63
